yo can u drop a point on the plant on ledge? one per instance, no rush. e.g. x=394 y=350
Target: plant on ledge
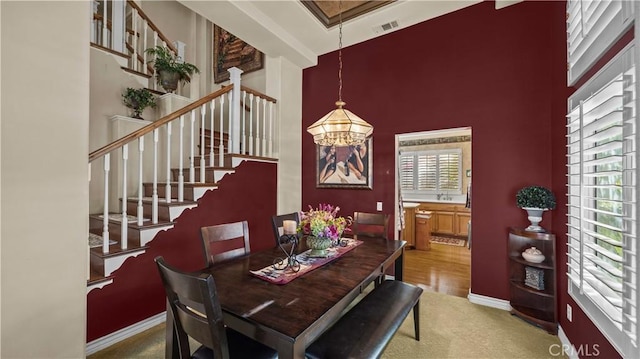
x=535 y=197
x=170 y=68
x=138 y=100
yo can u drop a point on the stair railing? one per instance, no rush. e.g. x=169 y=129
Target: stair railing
x=220 y=112
x=123 y=27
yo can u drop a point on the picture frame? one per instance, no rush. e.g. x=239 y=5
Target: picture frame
x=230 y=51
x=356 y=175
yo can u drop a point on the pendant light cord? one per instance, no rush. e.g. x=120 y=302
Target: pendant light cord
x=340 y=52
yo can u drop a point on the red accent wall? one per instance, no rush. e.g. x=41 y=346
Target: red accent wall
x=137 y=293
x=501 y=72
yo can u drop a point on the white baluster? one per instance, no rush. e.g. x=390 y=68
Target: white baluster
x=134 y=23
x=154 y=196
x=192 y=169
x=140 y=178
x=234 y=114
x=271 y=132
x=203 y=113
x=105 y=40
x=257 y=126
x=125 y=201
x=232 y=124
x=145 y=27
x=105 y=211
x=211 y=153
x=264 y=128
x=155 y=43
x=243 y=141
x=180 y=162
x=118 y=25
x=94 y=22
x=251 y=124
x=167 y=190
x=221 y=146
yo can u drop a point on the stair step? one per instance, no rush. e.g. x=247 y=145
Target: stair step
x=106 y=263
x=137 y=73
x=211 y=174
x=166 y=211
x=192 y=191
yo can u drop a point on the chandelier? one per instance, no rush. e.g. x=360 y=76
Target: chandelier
x=340 y=127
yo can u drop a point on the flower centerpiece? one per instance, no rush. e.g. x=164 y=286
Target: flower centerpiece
x=322 y=227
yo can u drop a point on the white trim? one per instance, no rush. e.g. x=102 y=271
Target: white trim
x=122 y=334
x=573 y=354
x=489 y=301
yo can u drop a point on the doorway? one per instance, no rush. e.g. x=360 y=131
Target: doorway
x=433 y=181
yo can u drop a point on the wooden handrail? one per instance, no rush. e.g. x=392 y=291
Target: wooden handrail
x=157 y=124
x=259 y=94
x=153 y=26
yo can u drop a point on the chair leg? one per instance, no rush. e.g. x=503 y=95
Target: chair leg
x=416 y=319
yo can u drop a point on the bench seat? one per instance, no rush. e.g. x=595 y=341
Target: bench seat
x=366 y=329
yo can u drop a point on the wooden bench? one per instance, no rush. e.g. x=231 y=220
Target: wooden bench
x=366 y=329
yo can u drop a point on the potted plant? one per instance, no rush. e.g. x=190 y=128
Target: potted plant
x=169 y=68
x=535 y=200
x=138 y=100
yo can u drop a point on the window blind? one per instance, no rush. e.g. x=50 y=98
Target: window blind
x=602 y=200
x=592 y=27
x=431 y=171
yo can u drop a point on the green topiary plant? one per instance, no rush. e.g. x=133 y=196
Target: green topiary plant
x=138 y=100
x=169 y=68
x=536 y=197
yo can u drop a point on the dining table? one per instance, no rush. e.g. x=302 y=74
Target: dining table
x=289 y=317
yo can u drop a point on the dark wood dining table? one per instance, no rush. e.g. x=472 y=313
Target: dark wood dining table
x=290 y=317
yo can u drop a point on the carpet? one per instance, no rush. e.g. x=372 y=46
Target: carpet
x=96 y=241
x=448 y=241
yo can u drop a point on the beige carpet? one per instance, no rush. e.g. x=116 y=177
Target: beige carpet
x=451 y=327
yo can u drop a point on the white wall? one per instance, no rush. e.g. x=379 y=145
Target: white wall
x=45 y=93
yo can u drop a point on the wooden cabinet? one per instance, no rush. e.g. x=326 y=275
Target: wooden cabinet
x=532 y=286
x=448 y=219
x=408 y=234
x=423 y=230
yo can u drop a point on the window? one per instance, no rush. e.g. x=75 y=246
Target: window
x=431 y=172
x=602 y=195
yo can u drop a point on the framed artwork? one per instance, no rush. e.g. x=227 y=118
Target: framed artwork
x=230 y=51
x=345 y=167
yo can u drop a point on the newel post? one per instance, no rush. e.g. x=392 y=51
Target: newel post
x=234 y=128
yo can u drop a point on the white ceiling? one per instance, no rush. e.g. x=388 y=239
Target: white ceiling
x=287 y=28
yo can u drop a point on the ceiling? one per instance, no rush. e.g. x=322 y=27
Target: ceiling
x=288 y=28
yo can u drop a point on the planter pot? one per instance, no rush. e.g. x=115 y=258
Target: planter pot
x=318 y=246
x=169 y=80
x=535 y=217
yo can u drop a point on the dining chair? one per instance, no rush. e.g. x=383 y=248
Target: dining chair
x=276 y=222
x=225 y=241
x=195 y=308
x=370 y=224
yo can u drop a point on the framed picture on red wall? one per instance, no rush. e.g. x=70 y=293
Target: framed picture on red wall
x=345 y=166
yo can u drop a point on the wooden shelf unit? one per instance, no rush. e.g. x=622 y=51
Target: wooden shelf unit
x=538 y=307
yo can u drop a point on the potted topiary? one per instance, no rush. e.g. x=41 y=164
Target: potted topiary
x=169 y=68
x=535 y=200
x=138 y=100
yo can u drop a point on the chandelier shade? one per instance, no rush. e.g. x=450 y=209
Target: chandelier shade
x=340 y=127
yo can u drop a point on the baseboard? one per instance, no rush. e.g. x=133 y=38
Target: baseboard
x=122 y=334
x=571 y=353
x=489 y=301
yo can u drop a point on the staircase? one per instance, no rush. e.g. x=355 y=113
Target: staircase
x=145 y=180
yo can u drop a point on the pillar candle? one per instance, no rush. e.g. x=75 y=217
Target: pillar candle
x=289 y=227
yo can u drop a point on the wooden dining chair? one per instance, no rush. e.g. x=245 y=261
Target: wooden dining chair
x=370 y=224
x=225 y=241
x=196 y=313
x=276 y=222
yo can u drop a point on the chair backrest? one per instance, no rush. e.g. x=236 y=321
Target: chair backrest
x=225 y=241
x=370 y=224
x=276 y=221
x=195 y=308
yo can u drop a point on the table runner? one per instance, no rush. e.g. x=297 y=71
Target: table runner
x=307 y=264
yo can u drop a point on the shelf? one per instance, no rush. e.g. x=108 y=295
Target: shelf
x=543 y=319
x=520 y=285
x=544 y=265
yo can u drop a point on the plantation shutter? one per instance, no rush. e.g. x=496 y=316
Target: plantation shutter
x=592 y=25
x=449 y=171
x=406 y=172
x=431 y=171
x=427 y=172
x=602 y=207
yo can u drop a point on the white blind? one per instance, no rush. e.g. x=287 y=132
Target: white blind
x=431 y=171
x=592 y=27
x=602 y=205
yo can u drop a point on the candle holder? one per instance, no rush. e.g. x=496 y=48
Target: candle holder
x=289 y=261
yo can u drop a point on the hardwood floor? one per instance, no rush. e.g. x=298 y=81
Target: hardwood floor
x=443 y=269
